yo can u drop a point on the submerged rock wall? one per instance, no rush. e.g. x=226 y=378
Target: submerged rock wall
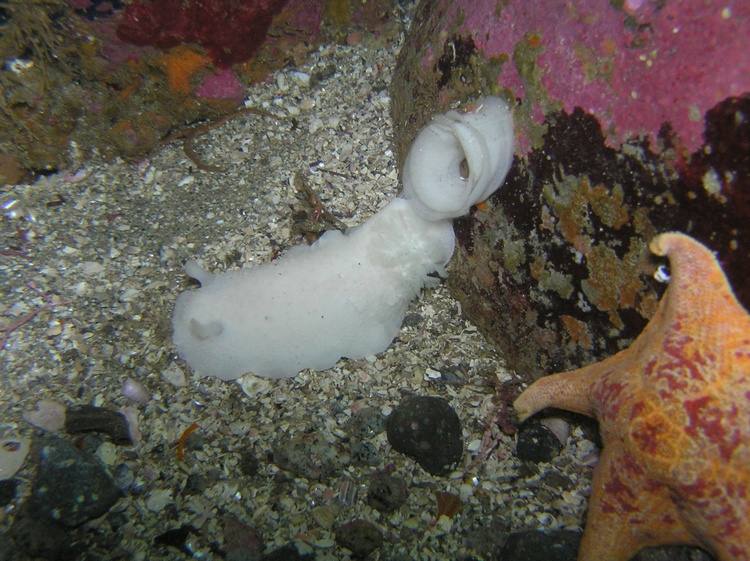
x=632 y=119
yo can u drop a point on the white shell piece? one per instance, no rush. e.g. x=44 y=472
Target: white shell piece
x=48 y=415
x=13 y=452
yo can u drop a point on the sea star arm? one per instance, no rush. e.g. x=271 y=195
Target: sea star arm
x=628 y=511
x=567 y=390
x=559 y=390
x=674 y=416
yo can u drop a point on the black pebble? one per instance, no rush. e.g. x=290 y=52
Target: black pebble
x=360 y=537
x=176 y=538
x=87 y=418
x=196 y=484
x=249 y=464
x=427 y=429
x=559 y=545
x=287 y=553
x=7 y=491
x=386 y=493
x=536 y=443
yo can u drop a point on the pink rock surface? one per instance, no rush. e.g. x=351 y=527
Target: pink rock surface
x=224 y=85
x=635 y=67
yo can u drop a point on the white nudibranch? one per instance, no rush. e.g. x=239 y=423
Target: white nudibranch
x=346 y=294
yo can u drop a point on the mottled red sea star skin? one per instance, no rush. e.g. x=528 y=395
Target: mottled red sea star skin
x=674 y=415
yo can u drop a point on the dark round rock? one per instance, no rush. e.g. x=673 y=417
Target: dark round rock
x=8 y=491
x=71 y=485
x=360 y=537
x=559 y=545
x=35 y=535
x=386 y=493
x=536 y=443
x=427 y=429
x=249 y=464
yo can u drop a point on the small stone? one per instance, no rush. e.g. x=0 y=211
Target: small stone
x=354 y=38
x=364 y=453
x=107 y=453
x=301 y=78
x=558 y=480
x=196 y=484
x=124 y=477
x=13 y=452
x=8 y=489
x=132 y=418
x=412 y=320
x=175 y=376
x=48 y=416
x=241 y=541
x=87 y=418
x=387 y=493
x=71 y=485
x=429 y=430
x=323 y=516
x=360 y=537
x=249 y=464
x=176 y=537
x=536 y=443
x=310 y=456
x=324 y=543
x=559 y=427
x=560 y=545
x=135 y=391
x=159 y=499
x=287 y=553
x=365 y=423
x=92 y=268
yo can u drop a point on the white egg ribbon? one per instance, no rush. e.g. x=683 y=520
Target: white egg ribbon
x=480 y=141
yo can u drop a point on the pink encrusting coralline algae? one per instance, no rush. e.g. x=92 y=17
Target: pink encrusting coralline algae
x=635 y=67
x=223 y=85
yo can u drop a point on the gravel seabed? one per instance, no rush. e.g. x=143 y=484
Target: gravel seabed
x=104 y=264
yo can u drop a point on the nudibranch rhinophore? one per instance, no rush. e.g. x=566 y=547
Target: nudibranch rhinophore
x=346 y=295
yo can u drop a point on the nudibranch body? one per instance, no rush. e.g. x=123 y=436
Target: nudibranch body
x=346 y=294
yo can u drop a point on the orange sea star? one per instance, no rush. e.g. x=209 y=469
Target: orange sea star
x=674 y=416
